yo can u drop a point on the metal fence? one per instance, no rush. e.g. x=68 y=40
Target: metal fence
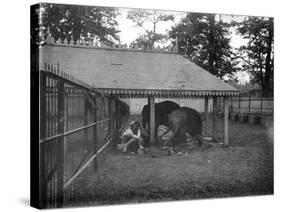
x=250 y=105
x=77 y=125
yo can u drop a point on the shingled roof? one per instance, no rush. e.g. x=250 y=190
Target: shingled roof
x=135 y=72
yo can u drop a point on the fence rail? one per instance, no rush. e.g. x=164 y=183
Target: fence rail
x=250 y=105
x=72 y=131
x=77 y=125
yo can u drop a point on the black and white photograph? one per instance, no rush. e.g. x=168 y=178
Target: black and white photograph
x=133 y=105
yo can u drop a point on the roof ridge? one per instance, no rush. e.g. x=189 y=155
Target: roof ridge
x=100 y=45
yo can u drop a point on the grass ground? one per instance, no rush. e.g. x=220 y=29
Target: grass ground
x=244 y=168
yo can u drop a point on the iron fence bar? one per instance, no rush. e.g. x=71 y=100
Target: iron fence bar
x=93 y=91
x=43 y=116
x=69 y=81
x=71 y=131
x=60 y=146
x=95 y=135
x=62 y=97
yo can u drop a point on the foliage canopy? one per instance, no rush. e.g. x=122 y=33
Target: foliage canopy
x=78 y=23
x=142 y=18
x=205 y=40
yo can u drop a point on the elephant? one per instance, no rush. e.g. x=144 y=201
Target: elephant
x=162 y=110
x=182 y=121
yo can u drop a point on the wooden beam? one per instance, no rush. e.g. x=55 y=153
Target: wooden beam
x=226 y=111
x=206 y=114
x=151 y=102
x=215 y=110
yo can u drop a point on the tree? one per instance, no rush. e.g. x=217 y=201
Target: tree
x=258 y=54
x=79 y=23
x=143 y=18
x=204 y=40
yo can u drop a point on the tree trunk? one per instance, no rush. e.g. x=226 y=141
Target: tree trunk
x=261 y=71
x=211 y=45
x=267 y=75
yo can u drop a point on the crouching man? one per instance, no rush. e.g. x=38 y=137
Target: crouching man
x=131 y=139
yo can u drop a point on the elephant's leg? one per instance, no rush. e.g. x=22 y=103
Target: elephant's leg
x=181 y=137
x=174 y=134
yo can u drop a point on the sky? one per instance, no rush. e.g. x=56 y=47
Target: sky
x=127 y=36
x=129 y=32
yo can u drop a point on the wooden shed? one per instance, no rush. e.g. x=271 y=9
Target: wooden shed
x=138 y=73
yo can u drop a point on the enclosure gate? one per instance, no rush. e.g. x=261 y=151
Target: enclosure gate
x=77 y=125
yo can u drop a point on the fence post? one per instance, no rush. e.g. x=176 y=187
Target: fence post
x=249 y=103
x=226 y=110
x=261 y=102
x=214 y=116
x=219 y=104
x=86 y=109
x=42 y=154
x=111 y=121
x=239 y=102
x=114 y=116
x=231 y=109
x=206 y=114
x=152 y=118
x=60 y=143
x=95 y=135
x=117 y=114
x=110 y=116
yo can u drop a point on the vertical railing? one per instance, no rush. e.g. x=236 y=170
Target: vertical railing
x=75 y=128
x=95 y=135
x=60 y=143
x=42 y=168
